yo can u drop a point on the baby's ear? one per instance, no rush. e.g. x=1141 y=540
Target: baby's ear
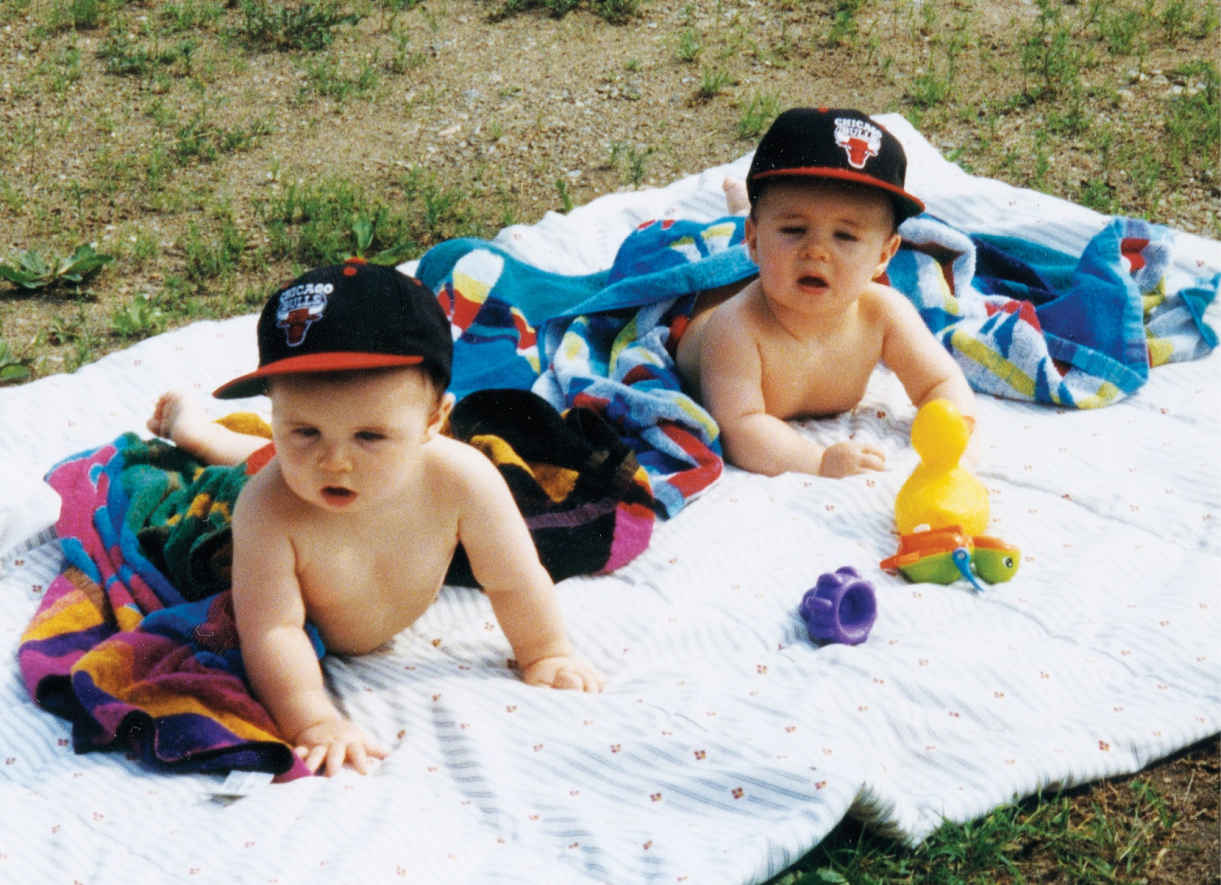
x=440 y=417
x=750 y=234
x=888 y=252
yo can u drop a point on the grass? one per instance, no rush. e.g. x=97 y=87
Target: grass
x=1126 y=831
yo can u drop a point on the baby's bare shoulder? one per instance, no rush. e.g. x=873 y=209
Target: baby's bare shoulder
x=887 y=306
x=265 y=506
x=462 y=469
x=740 y=318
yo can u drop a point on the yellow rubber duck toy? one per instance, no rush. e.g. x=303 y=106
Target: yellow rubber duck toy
x=940 y=493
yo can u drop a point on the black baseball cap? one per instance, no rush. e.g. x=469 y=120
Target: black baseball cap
x=348 y=316
x=833 y=143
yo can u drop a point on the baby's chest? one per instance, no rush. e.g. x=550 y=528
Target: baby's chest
x=386 y=568
x=817 y=380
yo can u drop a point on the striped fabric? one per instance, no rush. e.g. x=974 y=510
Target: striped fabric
x=726 y=743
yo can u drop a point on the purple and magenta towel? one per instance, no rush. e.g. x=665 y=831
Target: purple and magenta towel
x=134 y=641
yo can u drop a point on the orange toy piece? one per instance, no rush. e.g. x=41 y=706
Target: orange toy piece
x=939 y=493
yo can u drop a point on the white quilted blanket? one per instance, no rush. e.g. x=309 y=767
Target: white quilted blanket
x=726 y=744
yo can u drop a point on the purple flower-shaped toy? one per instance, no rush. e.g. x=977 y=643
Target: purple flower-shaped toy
x=840 y=608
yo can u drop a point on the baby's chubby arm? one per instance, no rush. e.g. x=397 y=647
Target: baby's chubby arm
x=280 y=661
x=505 y=563
x=731 y=381
x=923 y=366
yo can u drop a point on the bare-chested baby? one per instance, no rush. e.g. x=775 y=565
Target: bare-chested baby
x=826 y=195
x=353 y=522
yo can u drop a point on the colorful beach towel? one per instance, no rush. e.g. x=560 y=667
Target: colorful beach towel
x=1023 y=321
x=597 y=341
x=135 y=641
x=1028 y=322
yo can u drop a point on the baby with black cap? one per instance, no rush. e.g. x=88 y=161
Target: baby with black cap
x=351 y=524
x=826 y=190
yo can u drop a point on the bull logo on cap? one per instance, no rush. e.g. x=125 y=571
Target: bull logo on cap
x=860 y=140
x=299 y=308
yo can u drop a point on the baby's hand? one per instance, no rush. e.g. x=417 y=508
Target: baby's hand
x=336 y=741
x=563 y=672
x=849 y=457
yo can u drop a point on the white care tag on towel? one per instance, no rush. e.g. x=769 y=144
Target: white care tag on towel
x=243 y=783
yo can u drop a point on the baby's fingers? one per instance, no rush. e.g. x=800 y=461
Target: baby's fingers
x=311 y=756
x=872 y=458
x=578 y=679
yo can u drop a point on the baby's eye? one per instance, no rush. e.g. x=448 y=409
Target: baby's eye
x=305 y=432
x=370 y=436
x=845 y=236
x=792 y=230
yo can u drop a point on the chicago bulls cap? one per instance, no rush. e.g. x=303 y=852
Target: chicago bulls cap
x=833 y=143
x=348 y=316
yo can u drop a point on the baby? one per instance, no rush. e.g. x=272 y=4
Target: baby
x=826 y=194
x=352 y=523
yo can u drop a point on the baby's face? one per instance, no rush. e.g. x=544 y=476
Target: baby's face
x=353 y=443
x=819 y=244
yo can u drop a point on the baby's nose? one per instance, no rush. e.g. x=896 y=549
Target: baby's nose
x=335 y=458
x=814 y=247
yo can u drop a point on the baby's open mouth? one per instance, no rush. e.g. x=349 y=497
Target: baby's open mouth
x=338 y=495
x=813 y=282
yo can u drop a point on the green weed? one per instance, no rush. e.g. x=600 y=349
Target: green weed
x=141 y=247
x=201 y=140
x=1050 y=53
x=329 y=220
x=192 y=15
x=81 y=15
x=66 y=69
x=713 y=82
x=630 y=160
x=566 y=202
x=124 y=57
x=327 y=78
x=139 y=318
x=309 y=25
x=12 y=369
x=31 y=271
x=1192 y=123
x=616 y=12
x=554 y=8
x=72 y=332
x=404 y=57
x=208 y=257
x=935 y=84
x=844 y=26
x=758 y=115
x=689 y=46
